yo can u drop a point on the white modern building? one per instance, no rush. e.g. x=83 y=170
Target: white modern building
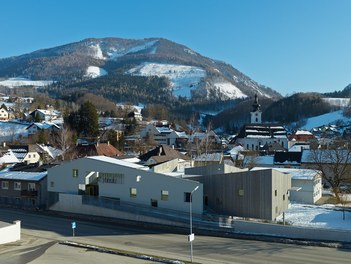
x=126 y=182
x=308 y=185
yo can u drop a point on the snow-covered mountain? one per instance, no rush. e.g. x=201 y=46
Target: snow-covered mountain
x=189 y=73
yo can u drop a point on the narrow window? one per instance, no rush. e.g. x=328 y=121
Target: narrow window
x=133 y=192
x=75 y=173
x=153 y=202
x=52 y=184
x=283 y=197
x=164 y=195
x=275 y=192
x=187 y=197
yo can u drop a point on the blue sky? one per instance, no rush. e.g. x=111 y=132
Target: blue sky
x=290 y=46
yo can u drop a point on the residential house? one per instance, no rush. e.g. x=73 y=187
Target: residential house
x=97 y=149
x=308 y=185
x=261 y=194
x=24 y=186
x=125 y=182
x=45 y=115
x=26 y=153
x=208 y=158
x=302 y=137
x=205 y=137
x=287 y=159
x=34 y=128
x=8 y=158
x=4 y=114
x=332 y=160
x=157 y=131
x=171 y=159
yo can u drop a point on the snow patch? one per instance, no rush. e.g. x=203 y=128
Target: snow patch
x=229 y=89
x=94 y=72
x=183 y=78
x=96 y=51
x=115 y=53
x=18 y=82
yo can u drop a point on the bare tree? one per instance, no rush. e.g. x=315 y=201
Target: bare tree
x=250 y=159
x=334 y=163
x=64 y=140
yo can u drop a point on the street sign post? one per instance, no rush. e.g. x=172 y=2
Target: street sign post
x=74 y=225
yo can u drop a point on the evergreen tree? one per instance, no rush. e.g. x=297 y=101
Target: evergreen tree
x=88 y=120
x=85 y=120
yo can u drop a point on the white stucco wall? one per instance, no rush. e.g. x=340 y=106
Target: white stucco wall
x=10 y=232
x=149 y=185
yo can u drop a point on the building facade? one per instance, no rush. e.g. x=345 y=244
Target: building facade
x=124 y=181
x=262 y=194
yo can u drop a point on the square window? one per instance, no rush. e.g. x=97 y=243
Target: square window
x=241 y=192
x=164 y=195
x=4 y=185
x=133 y=192
x=17 y=186
x=31 y=186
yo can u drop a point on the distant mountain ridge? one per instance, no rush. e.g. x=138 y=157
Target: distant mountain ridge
x=189 y=73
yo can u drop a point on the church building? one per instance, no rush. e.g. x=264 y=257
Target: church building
x=257 y=134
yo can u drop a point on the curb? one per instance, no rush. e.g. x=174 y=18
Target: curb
x=121 y=253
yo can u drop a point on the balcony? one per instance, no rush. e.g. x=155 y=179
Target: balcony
x=29 y=193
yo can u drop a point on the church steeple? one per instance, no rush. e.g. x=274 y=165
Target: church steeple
x=256 y=106
x=256 y=113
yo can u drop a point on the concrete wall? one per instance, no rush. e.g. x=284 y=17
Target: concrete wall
x=10 y=233
x=73 y=204
x=261 y=194
x=226 y=225
x=292 y=231
x=148 y=187
x=212 y=169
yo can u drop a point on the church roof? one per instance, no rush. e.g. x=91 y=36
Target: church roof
x=262 y=131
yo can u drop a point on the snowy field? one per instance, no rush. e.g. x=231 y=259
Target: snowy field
x=326 y=119
x=318 y=216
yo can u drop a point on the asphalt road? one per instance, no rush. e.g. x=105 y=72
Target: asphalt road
x=41 y=234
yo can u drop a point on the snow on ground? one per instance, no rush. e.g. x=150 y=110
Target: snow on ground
x=326 y=119
x=183 y=78
x=94 y=72
x=229 y=89
x=18 y=81
x=115 y=53
x=317 y=216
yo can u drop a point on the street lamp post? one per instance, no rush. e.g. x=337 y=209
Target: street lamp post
x=191 y=236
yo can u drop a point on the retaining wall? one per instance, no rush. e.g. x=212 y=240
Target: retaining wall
x=10 y=232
